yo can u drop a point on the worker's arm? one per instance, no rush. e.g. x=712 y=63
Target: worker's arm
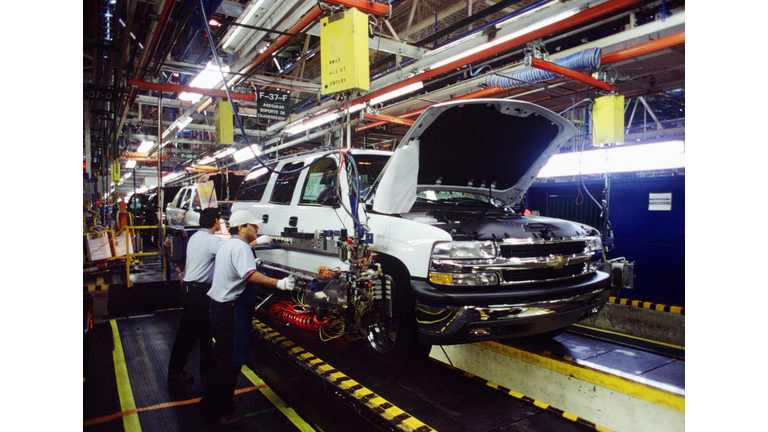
x=261 y=280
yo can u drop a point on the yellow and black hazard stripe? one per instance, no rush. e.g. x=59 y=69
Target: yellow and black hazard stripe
x=647 y=305
x=542 y=405
x=95 y=288
x=393 y=415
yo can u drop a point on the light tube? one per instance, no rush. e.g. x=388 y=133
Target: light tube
x=245 y=20
x=628 y=158
x=506 y=38
x=247 y=153
x=399 y=92
x=208 y=78
x=145 y=146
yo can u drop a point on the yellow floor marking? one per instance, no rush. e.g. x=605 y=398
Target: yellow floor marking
x=277 y=402
x=127 y=404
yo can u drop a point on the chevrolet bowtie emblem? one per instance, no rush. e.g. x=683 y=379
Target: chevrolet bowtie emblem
x=557 y=262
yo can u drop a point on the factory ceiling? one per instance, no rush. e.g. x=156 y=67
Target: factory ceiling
x=138 y=56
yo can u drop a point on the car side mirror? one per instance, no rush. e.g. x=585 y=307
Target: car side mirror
x=327 y=196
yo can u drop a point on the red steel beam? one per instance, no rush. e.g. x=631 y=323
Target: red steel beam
x=305 y=21
x=178 y=88
x=645 y=48
x=389 y=119
x=366 y=6
x=613 y=57
x=580 y=18
x=570 y=73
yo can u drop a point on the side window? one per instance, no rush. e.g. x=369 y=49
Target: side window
x=186 y=199
x=196 y=202
x=321 y=174
x=254 y=185
x=179 y=198
x=286 y=184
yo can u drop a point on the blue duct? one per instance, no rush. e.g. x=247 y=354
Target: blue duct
x=584 y=61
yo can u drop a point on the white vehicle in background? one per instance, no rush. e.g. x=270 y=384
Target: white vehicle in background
x=419 y=246
x=185 y=208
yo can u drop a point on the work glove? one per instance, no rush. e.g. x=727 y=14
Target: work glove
x=286 y=284
x=262 y=240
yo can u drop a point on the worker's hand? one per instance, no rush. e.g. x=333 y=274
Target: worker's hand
x=262 y=240
x=287 y=284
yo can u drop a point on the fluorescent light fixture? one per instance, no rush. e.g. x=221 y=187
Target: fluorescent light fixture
x=130 y=164
x=506 y=38
x=315 y=122
x=255 y=174
x=224 y=153
x=327 y=118
x=251 y=12
x=208 y=78
x=247 y=153
x=399 y=92
x=171 y=176
x=206 y=160
x=145 y=146
x=183 y=122
x=627 y=158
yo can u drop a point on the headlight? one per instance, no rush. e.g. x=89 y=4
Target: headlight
x=464 y=250
x=595 y=244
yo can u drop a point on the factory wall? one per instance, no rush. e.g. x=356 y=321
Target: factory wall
x=648 y=231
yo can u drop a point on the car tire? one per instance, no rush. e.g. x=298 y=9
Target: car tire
x=392 y=343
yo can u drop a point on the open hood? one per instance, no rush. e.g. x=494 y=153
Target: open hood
x=461 y=145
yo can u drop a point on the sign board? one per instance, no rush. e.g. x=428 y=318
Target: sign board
x=660 y=201
x=102 y=93
x=272 y=105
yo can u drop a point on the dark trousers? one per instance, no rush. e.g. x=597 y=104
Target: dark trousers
x=194 y=326
x=218 y=399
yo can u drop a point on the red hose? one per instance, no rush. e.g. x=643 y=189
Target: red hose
x=297 y=315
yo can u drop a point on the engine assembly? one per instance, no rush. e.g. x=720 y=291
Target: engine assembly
x=339 y=303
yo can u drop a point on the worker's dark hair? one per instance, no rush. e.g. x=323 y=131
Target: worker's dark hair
x=233 y=230
x=208 y=217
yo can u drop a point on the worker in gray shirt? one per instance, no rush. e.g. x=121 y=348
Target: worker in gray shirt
x=236 y=282
x=195 y=322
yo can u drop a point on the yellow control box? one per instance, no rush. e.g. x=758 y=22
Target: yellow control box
x=222 y=116
x=344 y=52
x=608 y=119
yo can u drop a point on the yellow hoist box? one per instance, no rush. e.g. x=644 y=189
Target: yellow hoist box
x=222 y=115
x=608 y=119
x=344 y=52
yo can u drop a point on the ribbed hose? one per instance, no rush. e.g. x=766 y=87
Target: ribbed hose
x=583 y=61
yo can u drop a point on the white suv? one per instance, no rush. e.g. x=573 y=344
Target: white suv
x=419 y=246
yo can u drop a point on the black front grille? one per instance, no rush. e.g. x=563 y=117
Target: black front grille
x=542 y=249
x=542 y=274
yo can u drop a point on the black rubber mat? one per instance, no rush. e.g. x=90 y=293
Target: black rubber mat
x=146 y=342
